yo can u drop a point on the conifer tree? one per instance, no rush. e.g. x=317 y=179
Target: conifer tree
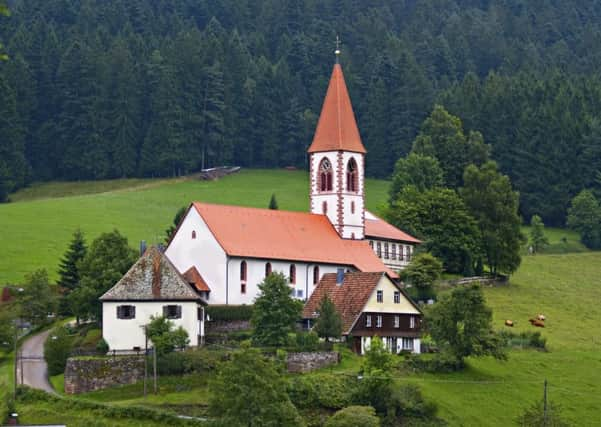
x=329 y=322
x=273 y=203
x=68 y=271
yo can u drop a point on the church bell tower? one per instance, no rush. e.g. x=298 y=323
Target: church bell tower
x=336 y=162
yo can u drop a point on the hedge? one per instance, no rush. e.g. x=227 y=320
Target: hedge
x=229 y=312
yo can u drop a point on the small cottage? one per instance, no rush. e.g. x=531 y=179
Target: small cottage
x=370 y=304
x=152 y=287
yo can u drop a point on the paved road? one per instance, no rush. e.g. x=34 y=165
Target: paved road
x=35 y=371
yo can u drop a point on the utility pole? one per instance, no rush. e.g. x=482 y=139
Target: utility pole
x=545 y=405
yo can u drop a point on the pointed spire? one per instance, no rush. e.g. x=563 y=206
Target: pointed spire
x=337 y=129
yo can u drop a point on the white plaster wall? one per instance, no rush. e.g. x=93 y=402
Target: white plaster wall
x=394 y=263
x=366 y=341
x=388 y=305
x=125 y=334
x=255 y=274
x=204 y=253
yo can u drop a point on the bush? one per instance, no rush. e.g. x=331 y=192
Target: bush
x=188 y=362
x=325 y=391
x=354 y=416
x=57 y=350
x=440 y=362
x=523 y=339
x=102 y=346
x=229 y=312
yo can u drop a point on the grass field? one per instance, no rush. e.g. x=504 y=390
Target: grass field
x=39 y=225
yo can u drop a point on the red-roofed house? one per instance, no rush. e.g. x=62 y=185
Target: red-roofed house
x=231 y=248
x=370 y=304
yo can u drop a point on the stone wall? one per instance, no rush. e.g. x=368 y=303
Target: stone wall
x=310 y=361
x=95 y=373
x=221 y=326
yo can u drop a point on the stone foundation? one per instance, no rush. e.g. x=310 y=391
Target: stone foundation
x=310 y=361
x=89 y=374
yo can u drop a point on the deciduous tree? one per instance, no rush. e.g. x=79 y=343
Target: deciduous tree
x=38 y=299
x=422 y=172
x=584 y=216
x=538 y=240
x=165 y=337
x=329 y=322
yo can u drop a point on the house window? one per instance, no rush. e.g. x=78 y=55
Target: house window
x=380 y=296
x=126 y=312
x=352 y=207
x=371 y=244
x=378 y=321
x=243 y=271
x=386 y=253
x=324 y=208
x=299 y=293
x=397 y=321
x=408 y=253
x=267 y=269
x=194 y=234
x=408 y=344
x=393 y=251
x=315 y=275
x=325 y=175
x=242 y=288
x=401 y=257
x=172 y=311
x=397 y=297
x=412 y=322
x=292 y=274
x=351 y=176
x=352 y=236
x=368 y=321
x=379 y=249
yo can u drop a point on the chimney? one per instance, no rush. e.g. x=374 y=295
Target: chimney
x=142 y=247
x=339 y=276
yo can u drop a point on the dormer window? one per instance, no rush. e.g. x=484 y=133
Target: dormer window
x=325 y=175
x=351 y=176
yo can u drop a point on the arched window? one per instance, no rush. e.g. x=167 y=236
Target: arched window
x=352 y=183
x=194 y=234
x=324 y=207
x=325 y=175
x=315 y=275
x=267 y=269
x=243 y=271
x=292 y=274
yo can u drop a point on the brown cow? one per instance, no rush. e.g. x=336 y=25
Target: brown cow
x=541 y=317
x=537 y=323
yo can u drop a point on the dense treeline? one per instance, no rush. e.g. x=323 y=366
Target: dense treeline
x=100 y=89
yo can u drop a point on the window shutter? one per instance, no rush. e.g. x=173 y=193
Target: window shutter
x=179 y=311
x=133 y=312
x=119 y=312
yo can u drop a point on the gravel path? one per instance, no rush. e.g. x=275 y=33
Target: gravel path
x=35 y=370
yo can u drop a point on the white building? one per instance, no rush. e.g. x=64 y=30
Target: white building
x=151 y=287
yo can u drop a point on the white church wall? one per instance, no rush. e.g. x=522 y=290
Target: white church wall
x=317 y=199
x=353 y=219
x=403 y=252
x=202 y=252
x=125 y=334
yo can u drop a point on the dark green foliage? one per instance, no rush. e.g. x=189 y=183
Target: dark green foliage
x=326 y=391
x=329 y=322
x=192 y=361
x=179 y=216
x=523 y=339
x=535 y=416
x=67 y=269
x=461 y=324
x=273 y=203
x=275 y=312
x=102 y=346
x=249 y=391
x=377 y=357
x=354 y=416
x=421 y=172
x=56 y=350
x=38 y=299
x=443 y=362
x=8 y=318
x=492 y=201
x=584 y=216
x=538 y=240
x=229 y=312
x=306 y=341
x=107 y=260
x=441 y=219
x=164 y=337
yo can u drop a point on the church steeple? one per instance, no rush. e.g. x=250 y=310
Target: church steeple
x=337 y=161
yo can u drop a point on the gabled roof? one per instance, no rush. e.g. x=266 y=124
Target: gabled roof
x=284 y=235
x=349 y=298
x=377 y=227
x=337 y=128
x=195 y=278
x=152 y=277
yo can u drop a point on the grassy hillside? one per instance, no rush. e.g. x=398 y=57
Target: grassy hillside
x=36 y=228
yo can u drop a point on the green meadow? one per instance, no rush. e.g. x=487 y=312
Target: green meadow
x=35 y=229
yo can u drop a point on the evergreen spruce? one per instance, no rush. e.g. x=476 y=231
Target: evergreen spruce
x=273 y=203
x=329 y=322
x=68 y=267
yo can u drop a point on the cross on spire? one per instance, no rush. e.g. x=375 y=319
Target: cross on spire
x=337 y=51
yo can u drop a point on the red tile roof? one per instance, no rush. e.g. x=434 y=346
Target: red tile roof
x=349 y=298
x=376 y=227
x=195 y=278
x=337 y=128
x=276 y=234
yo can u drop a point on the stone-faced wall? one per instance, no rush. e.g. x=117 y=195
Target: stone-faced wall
x=221 y=326
x=88 y=374
x=310 y=361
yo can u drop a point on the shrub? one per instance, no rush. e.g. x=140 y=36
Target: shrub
x=524 y=339
x=57 y=350
x=229 y=312
x=440 y=362
x=354 y=416
x=102 y=346
x=188 y=362
x=325 y=391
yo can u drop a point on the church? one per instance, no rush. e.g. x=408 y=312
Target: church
x=229 y=250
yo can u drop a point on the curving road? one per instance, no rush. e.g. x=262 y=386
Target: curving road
x=35 y=370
